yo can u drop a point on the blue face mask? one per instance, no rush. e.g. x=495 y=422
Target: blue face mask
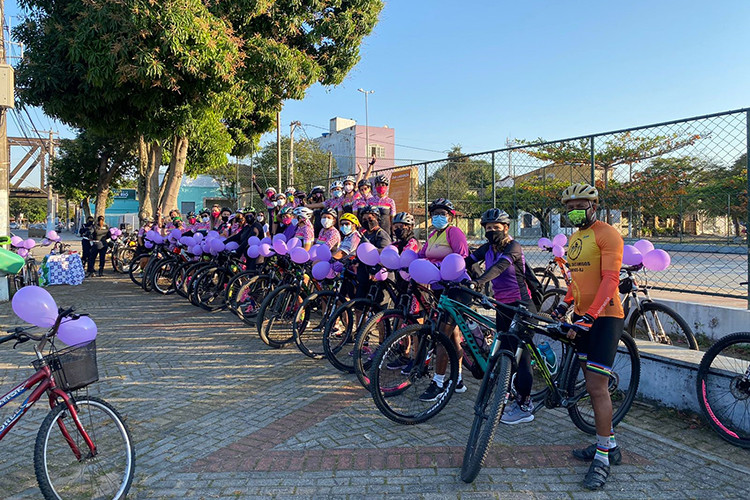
x=440 y=221
x=346 y=229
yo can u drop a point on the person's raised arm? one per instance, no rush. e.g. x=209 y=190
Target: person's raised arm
x=257 y=187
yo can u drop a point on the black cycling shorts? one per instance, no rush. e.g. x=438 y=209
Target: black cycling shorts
x=598 y=348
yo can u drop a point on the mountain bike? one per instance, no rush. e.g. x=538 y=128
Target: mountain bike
x=548 y=275
x=83 y=448
x=566 y=388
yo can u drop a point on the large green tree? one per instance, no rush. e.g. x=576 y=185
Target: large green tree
x=465 y=180
x=723 y=192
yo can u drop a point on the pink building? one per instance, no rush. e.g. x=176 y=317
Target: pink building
x=349 y=144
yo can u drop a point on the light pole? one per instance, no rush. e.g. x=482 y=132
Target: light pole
x=367 y=125
x=290 y=173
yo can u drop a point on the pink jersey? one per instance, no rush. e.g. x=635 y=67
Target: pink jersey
x=385 y=204
x=305 y=233
x=202 y=226
x=332 y=203
x=330 y=237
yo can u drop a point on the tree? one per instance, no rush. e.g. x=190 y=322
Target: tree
x=464 y=180
x=310 y=163
x=723 y=191
x=33 y=210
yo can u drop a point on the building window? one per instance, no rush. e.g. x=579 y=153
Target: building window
x=187 y=206
x=377 y=151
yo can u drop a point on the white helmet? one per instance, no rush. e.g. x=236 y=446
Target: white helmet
x=337 y=185
x=302 y=212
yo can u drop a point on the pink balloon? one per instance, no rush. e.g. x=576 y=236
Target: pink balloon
x=29 y=243
x=35 y=305
x=452 y=267
x=657 y=260
x=404 y=275
x=320 y=270
x=381 y=275
x=75 y=332
x=46 y=242
x=232 y=245
x=558 y=251
x=389 y=258
x=544 y=243
x=368 y=254
x=323 y=253
x=423 y=271
x=16 y=241
x=253 y=240
x=560 y=239
x=292 y=243
x=196 y=250
x=23 y=252
x=52 y=235
x=631 y=256
x=253 y=251
x=644 y=246
x=407 y=257
x=265 y=250
x=299 y=255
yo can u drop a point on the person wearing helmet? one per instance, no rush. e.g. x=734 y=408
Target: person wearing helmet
x=380 y=239
x=238 y=223
x=349 y=228
x=505 y=268
x=337 y=193
x=346 y=205
x=225 y=224
x=382 y=202
x=403 y=232
x=595 y=258
x=304 y=230
x=203 y=224
x=329 y=235
x=191 y=220
x=364 y=193
x=444 y=239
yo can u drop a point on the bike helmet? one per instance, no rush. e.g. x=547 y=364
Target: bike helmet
x=302 y=212
x=444 y=203
x=369 y=209
x=495 y=215
x=300 y=194
x=290 y=190
x=365 y=182
x=280 y=198
x=317 y=190
x=349 y=178
x=337 y=185
x=351 y=218
x=270 y=190
x=330 y=211
x=286 y=210
x=404 y=218
x=580 y=192
x=382 y=179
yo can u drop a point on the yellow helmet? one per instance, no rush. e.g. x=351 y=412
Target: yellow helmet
x=349 y=217
x=580 y=192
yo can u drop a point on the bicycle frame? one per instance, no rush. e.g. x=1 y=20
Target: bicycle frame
x=457 y=311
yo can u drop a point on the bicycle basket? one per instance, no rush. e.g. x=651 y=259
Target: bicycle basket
x=73 y=367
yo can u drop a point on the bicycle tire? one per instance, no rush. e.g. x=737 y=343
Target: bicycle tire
x=185 y=276
x=34 y=273
x=278 y=309
x=396 y=392
x=124 y=257
x=197 y=281
x=722 y=379
x=551 y=298
x=676 y=328
x=625 y=368
x=547 y=278
x=250 y=297
x=234 y=285
x=335 y=341
x=369 y=338
x=488 y=408
x=164 y=277
x=51 y=446
x=310 y=322
x=135 y=269
x=210 y=293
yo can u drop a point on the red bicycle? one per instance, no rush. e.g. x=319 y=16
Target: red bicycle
x=83 y=448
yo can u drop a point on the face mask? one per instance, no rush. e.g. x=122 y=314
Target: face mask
x=225 y=218
x=399 y=233
x=381 y=190
x=371 y=223
x=191 y=220
x=286 y=220
x=347 y=229
x=337 y=193
x=261 y=218
x=579 y=217
x=348 y=188
x=495 y=237
x=440 y=221
x=269 y=195
x=326 y=223
x=205 y=219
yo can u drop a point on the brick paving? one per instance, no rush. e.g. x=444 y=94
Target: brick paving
x=215 y=413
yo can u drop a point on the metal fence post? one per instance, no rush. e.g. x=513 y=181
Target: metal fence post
x=747 y=198
x=494 y=183
x=426 y=197
x=593 y=162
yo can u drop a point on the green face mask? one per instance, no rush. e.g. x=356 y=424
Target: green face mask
x=577 y=217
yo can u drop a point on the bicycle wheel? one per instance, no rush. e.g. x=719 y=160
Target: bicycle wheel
x=108 y=474
x=551 y=299
x=539 y=387
x=488 y=408
x=250 y=297
x=373 y=333
x=547 y=278
x=724 y=388
x=341 y=331
x=124 y=257
x=234 y=285
x=623 y=385
x=310 y=322
x=164 y=277
x=33 y=273
x=135 y=271
x=210 y=292
x=277 y=315
x=148 y=273
x=396 y=392
x=664 y=323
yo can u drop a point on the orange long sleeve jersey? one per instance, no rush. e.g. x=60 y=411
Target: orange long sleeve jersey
x=595 y=258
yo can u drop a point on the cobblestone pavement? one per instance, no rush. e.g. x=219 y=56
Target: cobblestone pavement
x=216 y=414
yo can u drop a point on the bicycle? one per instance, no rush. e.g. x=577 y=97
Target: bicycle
x=28 y=276
x=566 y=388
x=83 y=447
x=547 y=275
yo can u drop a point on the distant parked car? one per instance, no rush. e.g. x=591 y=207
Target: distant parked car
x=14 y=225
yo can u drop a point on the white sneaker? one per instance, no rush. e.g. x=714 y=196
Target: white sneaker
x=518 y=414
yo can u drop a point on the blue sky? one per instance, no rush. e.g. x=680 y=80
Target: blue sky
x=474 y=73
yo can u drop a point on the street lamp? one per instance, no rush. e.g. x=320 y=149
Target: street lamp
x=367 y=124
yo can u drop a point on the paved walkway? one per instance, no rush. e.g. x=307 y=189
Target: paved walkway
x=216 y=414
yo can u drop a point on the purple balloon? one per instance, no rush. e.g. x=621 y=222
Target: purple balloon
x=560 y=239
x=52 y=235
x=46 y=242
x=35 y=305
x=313 y=252
x=407 y=257
x=175 y=234
x=292 y=243
x=198 y=237
x=216 y=245
x=368 y=254
x=320 y=270
x=558 y=251
x=299 y=255
x=544 y=243
x=148 y=244
x=279 y=237
x=16 y=241
x=253 y=251
x=29 y=243
x=253 y=240
x=657 y=260
x=423 y=271
x=23 y=252
x=232 y=245
x=280 y=246
x=631 y=256
x=213 y=234
x=196 y=250
x=381 y=275
x=404 y=275
x=390 y=258
x=643 y=246
x=112 y=230
x=337 y=266
x=158 y=239
x=452 y=267
x=323 y=253
x=75 y=332
x=331 y=274
x=265 y=250
x=266 y=240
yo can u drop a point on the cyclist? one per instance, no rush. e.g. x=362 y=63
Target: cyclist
x=304 y=229
x=329 y=235
x=316 y=202
x=348 y=226
x=382 y=202
x=191 y=221
x=291 y=200
x=346 y=205
x=225 y=225
x=204 y=223
x=285 y=226
x=505 y=265
x=444 y=240
x=594 y=257
x=364 y=192
x=215 y=216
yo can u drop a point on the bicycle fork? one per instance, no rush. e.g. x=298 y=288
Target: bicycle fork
x=79 y=426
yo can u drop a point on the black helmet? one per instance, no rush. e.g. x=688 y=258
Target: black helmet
x=442 y=203
x=300 y=194
x=365 y=182
x=382 y=179
x=330 y=211
x=317 y=190
x=404 y=218
x=495 y=215
x=369 y=209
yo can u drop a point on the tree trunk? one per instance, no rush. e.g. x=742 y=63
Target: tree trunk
x=106 y=174
x=150 y=155
x=173 y=180
x=86 y=206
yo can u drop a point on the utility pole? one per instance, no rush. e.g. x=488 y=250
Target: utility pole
x=290 y=173
x=6 y=101
x=330 y=165
x=50 y=193
x=367 y=124
x=278 y=150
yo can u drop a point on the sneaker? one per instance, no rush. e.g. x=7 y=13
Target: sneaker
x=460 y=387
x=587 y=454
x=406 y=370
x=398 y=363
x=596 y=476
x=432 y=393
x=518 y=414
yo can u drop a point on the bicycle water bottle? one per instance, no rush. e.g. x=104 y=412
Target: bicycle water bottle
x=549 y=357
x=478 y=335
